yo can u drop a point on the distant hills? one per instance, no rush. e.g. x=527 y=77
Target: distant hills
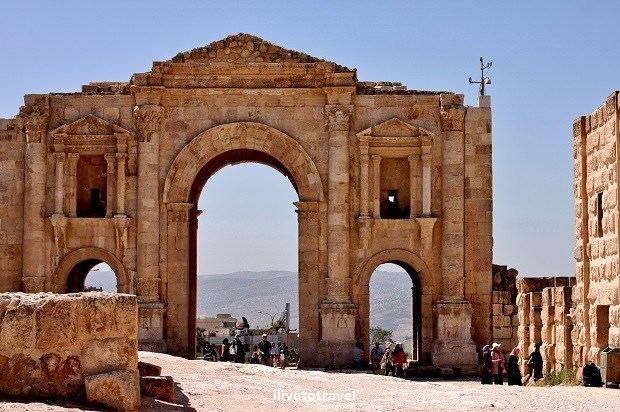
x=247 y=293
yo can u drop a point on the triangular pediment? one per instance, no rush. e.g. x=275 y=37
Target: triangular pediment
x=394 y=127
x=245 y=48
x=90 y=125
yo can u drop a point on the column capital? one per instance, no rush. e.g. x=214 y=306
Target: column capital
x=73 y=155
x=413 y=159
x=148 y=120
x=121 y=156
x=179 y=212
x=35 y=125
x=426 y=157
x=110 y=158
x=59 y=156
x=375 y=158
x=338 y=117
x=309 y=206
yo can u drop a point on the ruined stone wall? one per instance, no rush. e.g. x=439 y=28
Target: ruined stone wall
x=12 y=165
x=596 y=295
x=504 y=315
x=544 y=305
x=50 y=344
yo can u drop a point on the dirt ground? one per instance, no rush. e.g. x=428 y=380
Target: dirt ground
x=206 y=386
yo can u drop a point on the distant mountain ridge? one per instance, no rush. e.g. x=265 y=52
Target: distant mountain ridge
x=246 y=293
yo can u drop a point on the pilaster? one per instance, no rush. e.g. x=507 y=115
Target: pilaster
x=71 y=192
x=148 y=122
x=110 y=159
x=36 y=121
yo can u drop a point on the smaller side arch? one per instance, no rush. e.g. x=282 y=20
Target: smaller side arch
x=362 y=278
x=75 y=257
x=423 y=289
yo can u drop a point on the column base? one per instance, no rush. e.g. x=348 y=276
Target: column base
x=151 y=327
x=337 y=335
x=454 y=346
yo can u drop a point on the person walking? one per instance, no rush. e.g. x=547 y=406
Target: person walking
x=375 y=357
x=514 y=374
x=486 y=376
x=357 y=356
x=399 y=359
x=283 y=354
x=274 y=353
x=225 y=356
x=265 y=350
x=238 y=348
x=535 y=363
x=255 y=356
x=498 y=364
x=386 y=360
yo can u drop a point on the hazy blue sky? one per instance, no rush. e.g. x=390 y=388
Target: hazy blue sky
x=552 y=61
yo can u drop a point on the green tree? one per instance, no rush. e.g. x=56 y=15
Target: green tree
x=380 y=335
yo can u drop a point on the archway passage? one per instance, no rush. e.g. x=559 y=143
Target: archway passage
x=200 y=159
x=74 y=268
x=247 y=247
x=395 y=307
x=92 y=275
x=422 y=285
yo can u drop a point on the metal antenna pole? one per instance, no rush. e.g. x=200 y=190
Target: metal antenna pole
x=483 y=79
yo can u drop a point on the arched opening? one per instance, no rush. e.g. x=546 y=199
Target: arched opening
x=90 y=266
x=244 y=239
x=92 y=275
x=201 y=158
x=246 y=247
x=395 y=307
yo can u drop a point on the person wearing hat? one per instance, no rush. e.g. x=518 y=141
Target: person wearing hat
x=498 y=366
x=386 y=360
x=265 y=350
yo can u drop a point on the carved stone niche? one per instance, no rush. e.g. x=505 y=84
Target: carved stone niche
x=92 y=137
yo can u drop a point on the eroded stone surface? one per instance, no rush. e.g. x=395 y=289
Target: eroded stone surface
x=49 y=342
x=118 y=390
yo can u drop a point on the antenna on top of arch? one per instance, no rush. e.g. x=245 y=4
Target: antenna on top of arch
x=483 y=99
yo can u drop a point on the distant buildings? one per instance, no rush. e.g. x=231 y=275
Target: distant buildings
x=222 y=324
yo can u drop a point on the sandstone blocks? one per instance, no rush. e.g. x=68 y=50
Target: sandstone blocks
x=50 y=344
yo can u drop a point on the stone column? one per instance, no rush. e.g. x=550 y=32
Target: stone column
x=178 y=300
x=309 y=232
x=148 y=119
x=338 y=203
x=120 y=183
x=34 y=202
x=376 y=186
x=453 y=344
x=364 y=184
x=110 y=159
x=70 y=195
x=426 y=182
x=414 y=185
x=59 y=194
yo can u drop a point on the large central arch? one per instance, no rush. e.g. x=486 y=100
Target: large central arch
x=202 y=157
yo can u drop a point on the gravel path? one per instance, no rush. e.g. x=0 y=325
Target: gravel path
x=206 y=386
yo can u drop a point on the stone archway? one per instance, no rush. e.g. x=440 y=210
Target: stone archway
x=422 y=297
x=202 y=157
x=84 y=259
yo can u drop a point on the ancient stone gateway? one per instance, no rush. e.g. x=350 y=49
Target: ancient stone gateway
x=383 y=174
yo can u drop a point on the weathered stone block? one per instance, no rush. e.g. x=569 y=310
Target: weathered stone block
x=119 y=390
x=158 y=387
x=148 y=369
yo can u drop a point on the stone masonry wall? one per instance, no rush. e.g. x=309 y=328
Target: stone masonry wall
x=49 y=344
x=504 y=319
x=543 y=314
x=11 y=198
x=596 y=296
